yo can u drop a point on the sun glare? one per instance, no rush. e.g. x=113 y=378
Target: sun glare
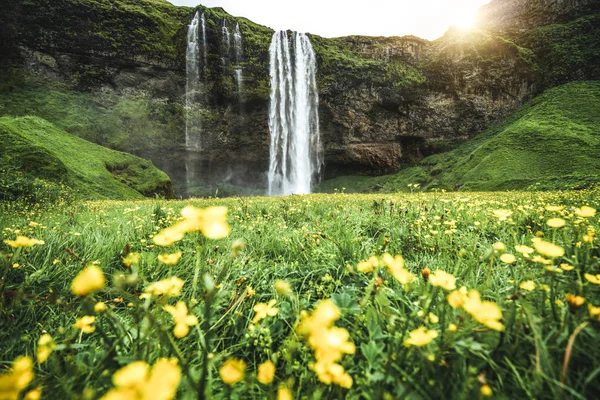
x=464 y=19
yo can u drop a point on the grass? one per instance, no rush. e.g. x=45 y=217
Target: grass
x=551 y=142
x=317 y=244
x=34 y=148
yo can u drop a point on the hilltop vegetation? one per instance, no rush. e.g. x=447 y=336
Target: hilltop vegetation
x=552 y=142
x=41 y=161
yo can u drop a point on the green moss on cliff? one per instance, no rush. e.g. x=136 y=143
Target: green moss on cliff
x=552 y=142
x=37 y=154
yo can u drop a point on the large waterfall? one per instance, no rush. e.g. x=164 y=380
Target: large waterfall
x=193 y=90
x=295 y=150
x=204 y=45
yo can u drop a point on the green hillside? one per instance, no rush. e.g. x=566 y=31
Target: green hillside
x=36 y=156
x=552 y=142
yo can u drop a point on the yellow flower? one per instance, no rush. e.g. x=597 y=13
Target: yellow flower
x=368 y=265
x=452 y=327
x=284 y=393
x=434 y=319
x=45 y=347
x=170 y=259
x=595 y=279
x=420 y=337
x=457 y=298
x=138 y=381
x=556 y=222
x=168 y=236
x=182 y=320
x=575 y=301
x=486 y=391
x=525 y=250
x=548 y=249
x=396 y=267
x=329 y=343
x=167 y=287
x=88 y=281
x=541 y=260
x=23 y=241
x=266 y=372
x=34 y=394
x=250 y=291
x=567 y=267
x=485 y=312
x=17 y=379
x=263 y=310
x=499 y=247
x=131 y=259
x=594 y=312
x=443 y=279
x=99 y=307
x=527 y=285
x=502 y=215
x=283 y=287
x=86 y=324
x=585 y=212
x=232 y=371
x=508 y=258
x=554 y=208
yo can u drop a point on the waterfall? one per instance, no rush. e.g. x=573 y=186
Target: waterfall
x=204 y=46
x=226 y=45
x=238 y=58
x=295 y=153
x=193 y=90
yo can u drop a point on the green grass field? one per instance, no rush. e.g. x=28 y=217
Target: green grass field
x=38 y=159
x=393 y=327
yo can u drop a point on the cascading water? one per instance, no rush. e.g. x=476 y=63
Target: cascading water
x=225 y=45
x=193 y=89
x=204 y=46
x=295 y=148
x=237 y=59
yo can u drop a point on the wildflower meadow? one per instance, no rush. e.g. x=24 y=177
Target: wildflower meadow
x=407 y=296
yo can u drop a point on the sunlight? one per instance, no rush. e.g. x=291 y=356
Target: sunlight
x=464 y=18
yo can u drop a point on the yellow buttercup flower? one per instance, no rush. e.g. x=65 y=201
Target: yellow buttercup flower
x=420 y=337
x=396 y=267
x=283 y=287
x=594 y=312
x=17 y=379
x=167 y=287
x=45 y=347
x=443 y=279
x=554 y=208
x=266 y=372
x=499 y=247
x=23 y=241
x=502 y=215
x=595 y=279
x=138 y=381
x=182 y=320
x=131 y=259
x=508 y=258
x=232 y=371
x=368 y=265
x=556 y=222
x=34 y=394
x=485 y=312
x=575 y=301
x=212 y=222
x=86 y=324
x=585 y=212
x=100 y=307
x=457 y=298
x=527 y=285
x=525 y=250
x=263 y=310
x=284 y=393
x=548 y=249
x=89 y=281
x=170 y=259
x=168 y=236
x=486 y=391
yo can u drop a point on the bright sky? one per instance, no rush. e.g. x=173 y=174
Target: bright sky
x=428 y=19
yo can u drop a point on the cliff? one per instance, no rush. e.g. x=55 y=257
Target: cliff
x=113 y=72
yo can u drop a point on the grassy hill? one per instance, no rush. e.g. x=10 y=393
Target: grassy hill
x=37 y=156
x=552 y=142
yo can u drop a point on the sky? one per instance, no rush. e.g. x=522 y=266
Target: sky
x=428 y=19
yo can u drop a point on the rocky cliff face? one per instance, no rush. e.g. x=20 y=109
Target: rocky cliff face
x=385 y=102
